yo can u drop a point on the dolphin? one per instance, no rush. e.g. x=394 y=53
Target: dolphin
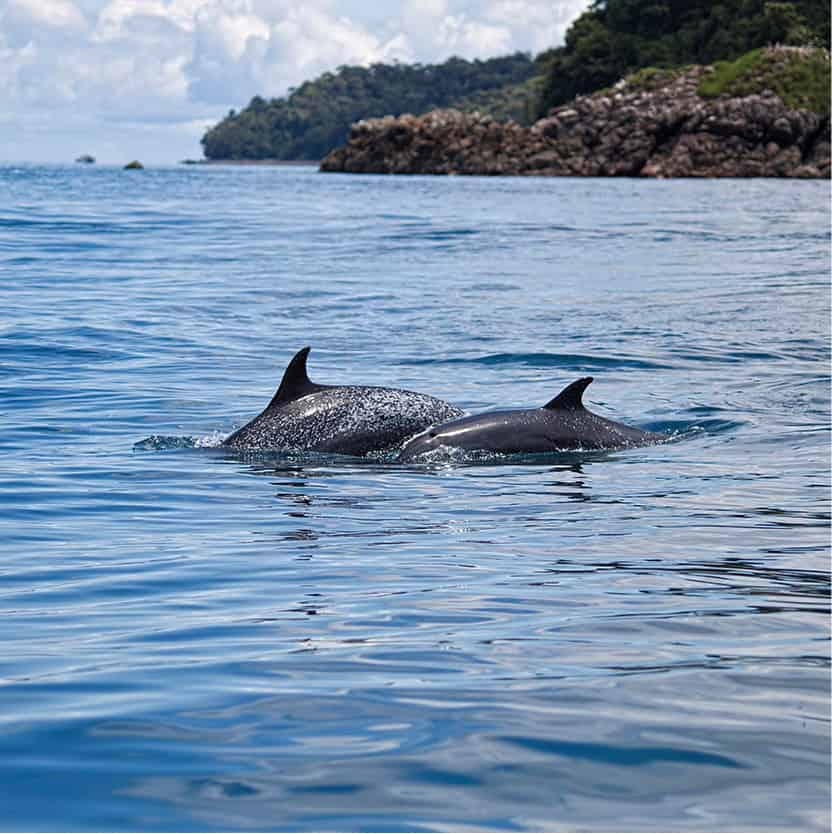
x=342 y=419
x=563 y=424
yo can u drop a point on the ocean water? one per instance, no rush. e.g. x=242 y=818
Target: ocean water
x=197 y=639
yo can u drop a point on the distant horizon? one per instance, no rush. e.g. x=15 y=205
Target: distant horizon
x=192 y=162
x=140 y=79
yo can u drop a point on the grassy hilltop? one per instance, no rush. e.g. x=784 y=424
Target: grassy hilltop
x=800 y=77
x=611 y=40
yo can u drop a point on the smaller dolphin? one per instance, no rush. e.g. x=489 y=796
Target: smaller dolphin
x=342 y=419
x=563 y=424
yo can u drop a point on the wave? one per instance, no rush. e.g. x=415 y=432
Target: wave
x=573 y=361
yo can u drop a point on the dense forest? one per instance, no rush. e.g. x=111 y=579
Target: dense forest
x=316 y=116
x=615 y=37
x=608 y=41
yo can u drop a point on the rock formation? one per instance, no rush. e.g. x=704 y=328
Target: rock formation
x=659 y=129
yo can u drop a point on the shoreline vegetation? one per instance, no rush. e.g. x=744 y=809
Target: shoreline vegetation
x=695 y=88
x=696 y=122
x=316 y=116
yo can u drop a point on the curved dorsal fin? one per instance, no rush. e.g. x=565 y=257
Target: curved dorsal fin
x=570 y=397
x=295 y=383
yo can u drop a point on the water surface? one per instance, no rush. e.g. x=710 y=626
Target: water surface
x=200 y=640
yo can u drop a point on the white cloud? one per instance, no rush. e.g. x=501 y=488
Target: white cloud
x=228 y=31
x=541 y=25
x=180 y=64
x=49 y=13
x=472 y=38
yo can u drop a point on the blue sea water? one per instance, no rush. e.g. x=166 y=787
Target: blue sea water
x=195 y=639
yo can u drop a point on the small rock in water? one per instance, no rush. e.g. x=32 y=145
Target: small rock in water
x=135 y=165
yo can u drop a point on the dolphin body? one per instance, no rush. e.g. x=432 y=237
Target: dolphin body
x=563 y=424
x=342 y=419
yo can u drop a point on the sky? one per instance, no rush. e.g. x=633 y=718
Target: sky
x=143 y=79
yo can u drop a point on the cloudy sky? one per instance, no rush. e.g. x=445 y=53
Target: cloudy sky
x=124 y=79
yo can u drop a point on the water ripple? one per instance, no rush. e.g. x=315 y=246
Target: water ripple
x=198 y=638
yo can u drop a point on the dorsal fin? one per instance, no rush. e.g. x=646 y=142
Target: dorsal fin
x=570 y=397
x=295 y=383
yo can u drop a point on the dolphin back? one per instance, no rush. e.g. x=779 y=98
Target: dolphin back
x=563 y=424
x=342 y=419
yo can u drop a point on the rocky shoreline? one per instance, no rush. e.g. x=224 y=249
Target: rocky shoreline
x=650 y=127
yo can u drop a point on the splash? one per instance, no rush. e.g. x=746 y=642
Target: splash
x=210 y=441
x=158 y=442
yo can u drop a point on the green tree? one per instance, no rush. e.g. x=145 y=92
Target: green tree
x=616 y=37
x=317 y=115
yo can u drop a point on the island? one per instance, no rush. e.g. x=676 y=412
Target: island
x=746 y=118
x=316 y=116
x=701 y=88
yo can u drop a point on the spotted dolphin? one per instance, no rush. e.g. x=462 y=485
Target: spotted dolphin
x=563 y=424
x=343 y=419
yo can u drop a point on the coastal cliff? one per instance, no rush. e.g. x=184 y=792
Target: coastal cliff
x=694 y=122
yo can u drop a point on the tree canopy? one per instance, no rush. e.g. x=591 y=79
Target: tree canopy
x=316 y=116
x=616 y=37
